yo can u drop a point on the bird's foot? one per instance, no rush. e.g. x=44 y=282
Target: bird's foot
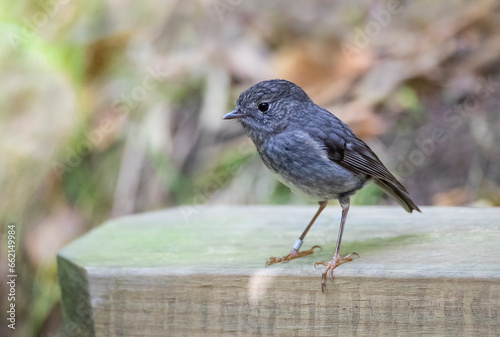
x=330 y=266
x=294 y=253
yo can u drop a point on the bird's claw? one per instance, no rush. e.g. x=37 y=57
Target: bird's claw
x=330 y=267
x=294 y=253
x=273 y=260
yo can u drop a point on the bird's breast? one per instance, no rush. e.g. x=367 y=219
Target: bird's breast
x=302 y=164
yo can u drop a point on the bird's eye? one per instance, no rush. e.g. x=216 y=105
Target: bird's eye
x=263 y=107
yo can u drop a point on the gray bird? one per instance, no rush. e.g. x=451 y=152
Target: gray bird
x=312 y=152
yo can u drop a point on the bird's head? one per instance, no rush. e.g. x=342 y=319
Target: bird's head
x=267 y=106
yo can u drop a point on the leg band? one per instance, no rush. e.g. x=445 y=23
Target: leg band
x=297 y=244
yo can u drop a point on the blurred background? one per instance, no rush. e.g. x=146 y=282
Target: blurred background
x=110 y=108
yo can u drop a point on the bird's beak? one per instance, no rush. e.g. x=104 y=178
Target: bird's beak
x=234 y=114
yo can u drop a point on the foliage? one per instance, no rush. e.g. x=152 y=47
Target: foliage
x=111 y=108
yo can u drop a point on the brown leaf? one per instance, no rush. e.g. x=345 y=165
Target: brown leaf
x=320 y=68
x=455 y=197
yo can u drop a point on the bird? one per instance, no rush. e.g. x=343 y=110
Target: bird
x=312 y=152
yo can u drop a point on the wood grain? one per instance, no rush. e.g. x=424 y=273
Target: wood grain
x=200 y=271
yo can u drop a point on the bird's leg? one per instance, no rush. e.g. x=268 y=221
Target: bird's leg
x=336 y=261
x=295 y=253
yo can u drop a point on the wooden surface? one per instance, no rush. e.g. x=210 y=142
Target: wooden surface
x=200 y=271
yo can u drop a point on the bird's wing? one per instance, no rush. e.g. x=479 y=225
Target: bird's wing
x=357 y=155
x=344 y=148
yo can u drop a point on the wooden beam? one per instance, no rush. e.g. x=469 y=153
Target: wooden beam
x=200 y=271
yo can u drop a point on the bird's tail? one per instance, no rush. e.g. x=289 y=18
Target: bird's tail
x=400 y=195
